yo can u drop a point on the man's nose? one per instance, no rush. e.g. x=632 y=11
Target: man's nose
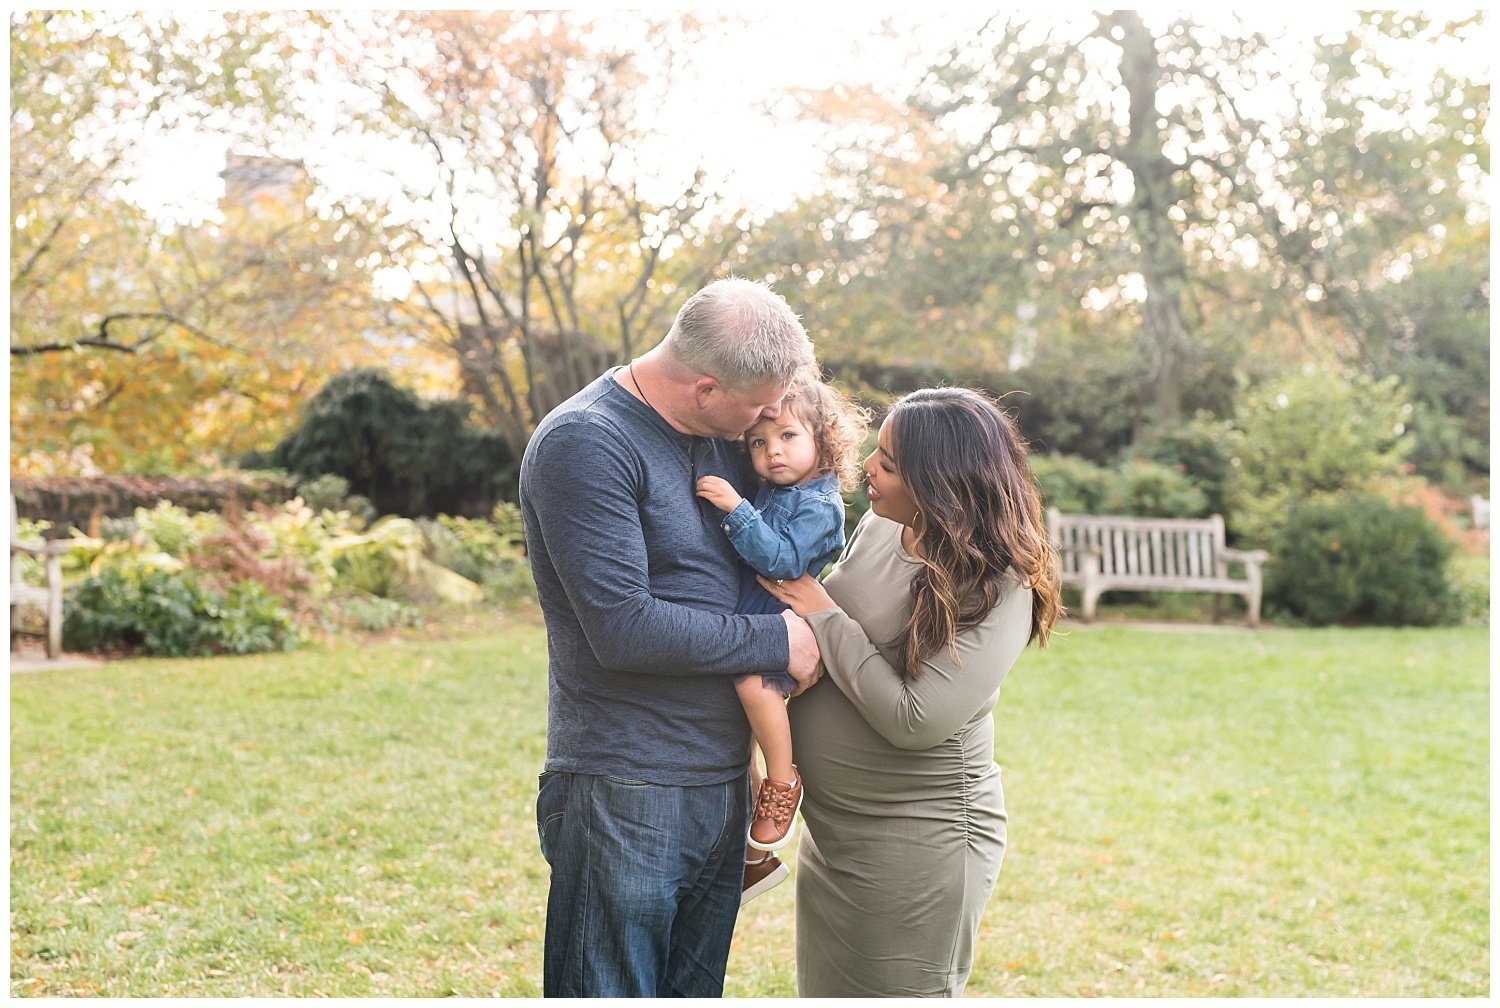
x=772 y=411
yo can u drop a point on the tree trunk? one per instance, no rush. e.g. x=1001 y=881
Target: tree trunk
x=1164 y=338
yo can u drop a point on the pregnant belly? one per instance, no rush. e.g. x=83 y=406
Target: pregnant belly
x=848 y=768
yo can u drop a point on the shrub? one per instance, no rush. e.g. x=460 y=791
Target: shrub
x=371 y=613
x=1136 y=487
x=1362 y=560
x=1200 y=451
x=331 y=493
x=1311 y=434
x=1151 y=490
x=405 y=455
x=1071 y=484
x=390 y=560
x=1471 y=579
x=171 y=613
x=261 y=551
x=172 y=529
x=490 y=553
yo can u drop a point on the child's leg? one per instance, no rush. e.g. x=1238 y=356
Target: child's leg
x=756 y=773
x=766 y=709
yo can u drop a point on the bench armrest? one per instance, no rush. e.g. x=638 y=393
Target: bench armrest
x=41 y=547
x=1248 y=556
x=1252 y=559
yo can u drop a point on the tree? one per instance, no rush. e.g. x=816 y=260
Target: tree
x=885 y=266
x=941 y=255
x=1387 y=231
x=1159 y=202
x=537 y=251
x=142 y=346
x=1114 y=145
x=89 y=91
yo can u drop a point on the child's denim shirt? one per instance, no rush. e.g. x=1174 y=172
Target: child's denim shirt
x=789 y=530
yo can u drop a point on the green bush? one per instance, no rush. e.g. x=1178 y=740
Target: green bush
x=1071 y=484
x=1471 y=579
x=490 y=553
x=331 y=493
x=1200 y=451
x=1307 y=435
x=174 y=530
x=371 y=613
x=167 y=582
x=171 y=613
x=1362 y=560
x=390 y=560
x=1136 y=487
x=1151 y=490
x=405 y=455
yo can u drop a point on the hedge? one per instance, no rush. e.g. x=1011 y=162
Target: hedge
x=80 y=502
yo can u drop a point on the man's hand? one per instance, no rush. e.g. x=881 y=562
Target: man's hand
x=805 y=664
x=719 y=493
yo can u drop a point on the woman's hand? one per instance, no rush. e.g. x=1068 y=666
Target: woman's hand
x=806 y=594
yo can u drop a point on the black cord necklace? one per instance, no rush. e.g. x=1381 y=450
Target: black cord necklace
x=636 y=382
x=691 y=445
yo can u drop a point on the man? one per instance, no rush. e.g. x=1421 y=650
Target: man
x=641 y=805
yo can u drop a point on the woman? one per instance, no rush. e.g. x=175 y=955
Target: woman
x=940 y=588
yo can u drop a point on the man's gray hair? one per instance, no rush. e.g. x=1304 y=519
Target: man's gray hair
x=740 y=332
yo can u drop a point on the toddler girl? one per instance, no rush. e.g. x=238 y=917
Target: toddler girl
x=795 y=526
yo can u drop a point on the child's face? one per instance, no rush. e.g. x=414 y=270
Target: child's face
x=782 y=449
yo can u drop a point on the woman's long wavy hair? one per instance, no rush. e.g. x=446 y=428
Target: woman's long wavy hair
x=979 y=514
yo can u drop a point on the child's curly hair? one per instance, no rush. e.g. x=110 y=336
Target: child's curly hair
x=838 y=425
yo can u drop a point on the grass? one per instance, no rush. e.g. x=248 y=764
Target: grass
x=1201 y=811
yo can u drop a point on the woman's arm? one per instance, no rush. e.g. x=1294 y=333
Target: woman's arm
x=921 y=713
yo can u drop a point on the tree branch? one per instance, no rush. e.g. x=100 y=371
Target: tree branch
x=103 y=341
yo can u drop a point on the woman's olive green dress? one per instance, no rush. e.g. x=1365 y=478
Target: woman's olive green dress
x=903 y=813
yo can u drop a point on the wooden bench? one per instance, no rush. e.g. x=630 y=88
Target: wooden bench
x=1100 y=553
x=48 y=597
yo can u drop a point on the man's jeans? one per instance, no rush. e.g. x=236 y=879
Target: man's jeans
x=645 y=885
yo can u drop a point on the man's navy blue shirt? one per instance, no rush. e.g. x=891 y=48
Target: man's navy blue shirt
x=638 y=586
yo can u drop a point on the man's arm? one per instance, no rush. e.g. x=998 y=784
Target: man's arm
x=581 y=483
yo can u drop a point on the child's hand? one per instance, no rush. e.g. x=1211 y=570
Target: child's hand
x=719 y=493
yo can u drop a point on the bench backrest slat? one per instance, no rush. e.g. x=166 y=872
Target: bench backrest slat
x=1142 y=547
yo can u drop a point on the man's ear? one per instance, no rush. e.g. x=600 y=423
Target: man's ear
x=705 y=388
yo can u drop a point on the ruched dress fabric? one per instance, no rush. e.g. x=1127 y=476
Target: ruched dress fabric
x=903 y=811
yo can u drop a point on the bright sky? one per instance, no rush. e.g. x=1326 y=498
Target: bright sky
x=720 y=124
x=756 y=162
x=766 y=162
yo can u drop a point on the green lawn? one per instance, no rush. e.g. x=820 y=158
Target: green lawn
x=1193 y=812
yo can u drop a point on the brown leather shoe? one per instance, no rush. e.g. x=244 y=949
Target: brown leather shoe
x=774 y=817
x=762 y=876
